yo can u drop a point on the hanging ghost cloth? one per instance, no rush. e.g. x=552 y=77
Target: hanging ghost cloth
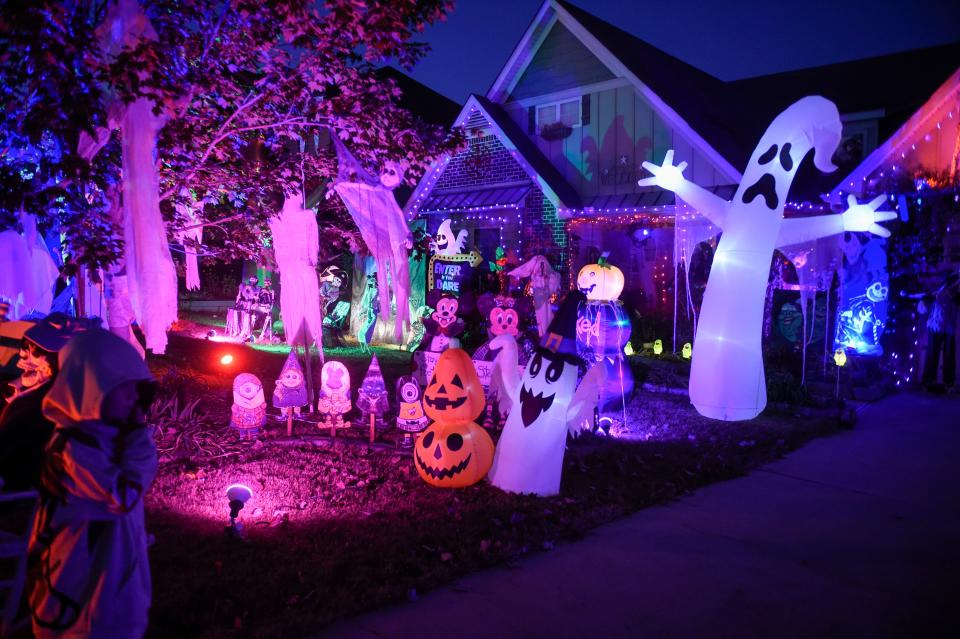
x=27 y=271
x=296 y=244
x=544 y=284
x=383 y=227
x=191 y=238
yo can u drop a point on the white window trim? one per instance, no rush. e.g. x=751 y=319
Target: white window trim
x=556 y=111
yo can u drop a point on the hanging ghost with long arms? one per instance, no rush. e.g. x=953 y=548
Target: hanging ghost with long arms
x=545 y=404
x=726 y=375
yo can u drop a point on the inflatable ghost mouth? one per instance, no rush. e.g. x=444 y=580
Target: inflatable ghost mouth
x=442 y=473
x=532 y=406
x=765 y=187
x=442 y=403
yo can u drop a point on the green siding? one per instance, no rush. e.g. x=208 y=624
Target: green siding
x=561 y=62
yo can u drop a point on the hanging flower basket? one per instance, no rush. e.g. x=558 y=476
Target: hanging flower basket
x=556 y=131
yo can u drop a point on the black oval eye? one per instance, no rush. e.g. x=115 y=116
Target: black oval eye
x=427 y=439
x=456 y=381
x=785 y=160
x=455 y=442
x=554 y=371
x=535 y=365
x=768 y=155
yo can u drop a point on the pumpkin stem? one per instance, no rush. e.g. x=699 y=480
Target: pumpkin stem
x=602 y=261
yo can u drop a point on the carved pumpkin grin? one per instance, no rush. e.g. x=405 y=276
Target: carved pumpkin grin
x=444 y=403
x=442 y=473
x=532 y=406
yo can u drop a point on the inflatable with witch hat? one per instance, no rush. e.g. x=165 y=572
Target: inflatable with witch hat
x=546 y=403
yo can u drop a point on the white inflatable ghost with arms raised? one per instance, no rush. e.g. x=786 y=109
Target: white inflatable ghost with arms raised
x=446 y=243
x=726 y=377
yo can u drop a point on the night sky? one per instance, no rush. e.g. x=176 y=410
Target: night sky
x=730 y=40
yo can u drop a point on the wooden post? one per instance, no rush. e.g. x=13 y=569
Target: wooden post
x=289 y=422
x=373 y=427
x=308 y=370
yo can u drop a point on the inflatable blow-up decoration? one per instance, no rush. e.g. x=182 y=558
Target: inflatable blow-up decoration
x=454 y=451
x=545 y=404
x=726 y=375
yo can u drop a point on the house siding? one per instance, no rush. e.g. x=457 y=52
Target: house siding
x=561 y=62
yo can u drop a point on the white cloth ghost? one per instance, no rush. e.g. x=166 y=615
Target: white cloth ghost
x=191 y=238
x=726 y=376
x=544 y=284
x=27 y=271
x=384 y=230
x=446 y=243
x=296 y=245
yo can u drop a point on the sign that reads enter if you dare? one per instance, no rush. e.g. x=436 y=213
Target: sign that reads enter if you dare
x=449 y=273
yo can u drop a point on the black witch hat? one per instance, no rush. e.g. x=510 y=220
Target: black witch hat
x=561 y=336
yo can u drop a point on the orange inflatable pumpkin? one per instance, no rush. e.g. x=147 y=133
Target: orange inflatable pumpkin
x=453 y=455
x=454 y=393
x=601 y=281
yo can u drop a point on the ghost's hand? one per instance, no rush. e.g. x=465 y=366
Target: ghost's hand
x=667 y=176
x=860 y=218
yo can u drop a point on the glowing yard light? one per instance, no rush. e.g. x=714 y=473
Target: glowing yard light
x=657 y=347
x=237 y=495
x=840 y=357
x=227 y=359
x=687 y=350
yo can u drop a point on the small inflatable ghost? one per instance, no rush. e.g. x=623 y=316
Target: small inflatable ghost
x=334 y=401
x=372 y=395
x=446 y=243
x=410 y=415
x=726 y=375
x=249 y=411
x=545 y=404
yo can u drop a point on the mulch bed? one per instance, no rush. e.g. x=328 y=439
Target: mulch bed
x=338 y=527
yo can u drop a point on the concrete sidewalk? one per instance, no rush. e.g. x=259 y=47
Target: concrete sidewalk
x=856 y=535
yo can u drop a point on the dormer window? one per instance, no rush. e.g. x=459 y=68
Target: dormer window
x=565 y=113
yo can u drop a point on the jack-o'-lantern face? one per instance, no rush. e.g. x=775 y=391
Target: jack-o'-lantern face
x=504 y=321
x=453 y=455
x=600 y=281
x=446 y=313
x=454 y=393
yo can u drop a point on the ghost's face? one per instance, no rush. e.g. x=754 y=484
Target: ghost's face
x=291 y=378
x=549 y=380
x=446 y=313
x=334 y=379
x=248 y=391
x=504 y=321
x=391 y=175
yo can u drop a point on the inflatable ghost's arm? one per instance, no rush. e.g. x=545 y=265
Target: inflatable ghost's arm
x=505 y=379
x=580 y=409
x=857 y=218
x=670 y=177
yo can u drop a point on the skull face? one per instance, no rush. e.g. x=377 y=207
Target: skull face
x=877 y=292
x=35 y=365
x=504 y=321
x=453 y=455
x=391 y=176
x=446 y=313
x=546 y=377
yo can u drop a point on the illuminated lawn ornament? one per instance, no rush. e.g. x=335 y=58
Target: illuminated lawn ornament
x=290 y=393
x=410 y=415
x=726 y=376
x=600 y=281
x=334 y=400
x=687 y=350
x=658 y=347
x=372 y=398
x=840 y=357
x=249 y=411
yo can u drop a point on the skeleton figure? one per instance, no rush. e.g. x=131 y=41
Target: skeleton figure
x=249 y=411
x=334 y=400
x=446 y=243
x=726 y=376
x=545 y=404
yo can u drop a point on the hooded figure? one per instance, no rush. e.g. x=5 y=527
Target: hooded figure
x=89 y=575
x=544 y=405
x=726 y=374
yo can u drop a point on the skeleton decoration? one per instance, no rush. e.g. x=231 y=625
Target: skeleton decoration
x=443 y=325
x=249 y=411
x=726 y=375
x=382 y=225
x=544 y=285
x=446 y=243
x=410 y=416
x=417 y=329
x=372 y=395
x=334 y=401
x=546 y=404
x=290 y=393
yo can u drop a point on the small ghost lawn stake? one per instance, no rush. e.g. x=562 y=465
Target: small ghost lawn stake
x=372 y=396
x=249 y=411
x=290 y=394
x=334 y=401
x=726 y=377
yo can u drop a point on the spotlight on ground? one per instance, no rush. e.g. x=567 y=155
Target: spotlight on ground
x=211 y=334
x=227 y=359
x=237 y=496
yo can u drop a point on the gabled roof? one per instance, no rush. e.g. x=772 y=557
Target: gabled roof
x=534 y=163
x=684 y=96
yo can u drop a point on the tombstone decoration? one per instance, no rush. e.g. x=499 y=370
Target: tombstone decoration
x=546 y=404
x=454 y=451
x=290 y=393
x=334 y=400
x=372 y=396
x=443 y=325
x=726 y=374
x=249 y=411
x=410 y=416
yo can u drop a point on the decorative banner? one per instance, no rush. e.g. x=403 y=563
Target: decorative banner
x=427 y=360
x=448 y=273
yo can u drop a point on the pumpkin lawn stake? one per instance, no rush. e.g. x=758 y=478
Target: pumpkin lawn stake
x=726 y=377
x=334 y=401
x=372 y=397
x=410 y=416
x=290 y=394
x=687 y=350
x=454 y=451
x=546 y=404
x=249 y=411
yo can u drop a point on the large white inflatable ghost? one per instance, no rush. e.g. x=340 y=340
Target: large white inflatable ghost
x=446 y=243
x=726 y=375
x=545 y=404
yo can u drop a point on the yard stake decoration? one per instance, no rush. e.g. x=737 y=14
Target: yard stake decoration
x=726 y=375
